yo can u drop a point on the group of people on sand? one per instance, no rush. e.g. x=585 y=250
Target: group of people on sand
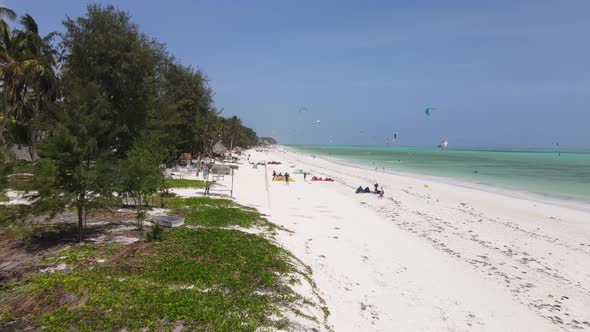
x=377 y=190
x=277 y=176
x=286 y=176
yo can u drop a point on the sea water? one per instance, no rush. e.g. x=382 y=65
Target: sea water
x=563 y=174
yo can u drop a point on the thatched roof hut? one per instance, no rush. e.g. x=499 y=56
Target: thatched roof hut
x=219 y=149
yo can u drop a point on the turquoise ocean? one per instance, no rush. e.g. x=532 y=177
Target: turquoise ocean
x=559 y=174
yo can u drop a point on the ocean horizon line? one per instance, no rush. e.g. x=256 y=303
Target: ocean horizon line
x=454 y=148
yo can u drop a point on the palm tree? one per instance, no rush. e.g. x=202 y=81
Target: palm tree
x=7 y=13
x=20 y=66
x=41 y=87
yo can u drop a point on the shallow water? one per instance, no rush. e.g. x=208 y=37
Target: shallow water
x=564 y=174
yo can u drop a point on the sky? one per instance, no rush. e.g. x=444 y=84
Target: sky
x=499 y=73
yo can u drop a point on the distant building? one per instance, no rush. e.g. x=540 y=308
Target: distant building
x=23 y=153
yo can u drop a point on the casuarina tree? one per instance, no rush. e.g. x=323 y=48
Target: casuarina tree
x=78 y=169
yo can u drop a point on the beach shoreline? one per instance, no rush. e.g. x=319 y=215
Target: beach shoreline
x=569 y=202
x=519 y=172
x=442 y=257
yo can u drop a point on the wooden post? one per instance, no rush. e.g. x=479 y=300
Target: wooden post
x=231 y=193
x=231 y=147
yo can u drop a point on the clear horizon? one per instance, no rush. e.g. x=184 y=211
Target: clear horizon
x=480 y=148
x=502 y=74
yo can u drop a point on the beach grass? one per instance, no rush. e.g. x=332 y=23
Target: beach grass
x=211 y=212
x=200 y=279
x=184 y=183
x=9 y=214
x=205 y=278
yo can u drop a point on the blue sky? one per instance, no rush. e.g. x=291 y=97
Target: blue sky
x=500 y=73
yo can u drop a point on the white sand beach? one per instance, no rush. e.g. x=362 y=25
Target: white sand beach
x=443 y=258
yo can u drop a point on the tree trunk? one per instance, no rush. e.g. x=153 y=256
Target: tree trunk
x=4 y=119
x=80 y=222
x=32 y=147
x=32 y=135
x=85 y=217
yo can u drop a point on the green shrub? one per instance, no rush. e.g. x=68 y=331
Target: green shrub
x=156 y=233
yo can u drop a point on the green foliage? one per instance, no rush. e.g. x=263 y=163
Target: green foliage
x=267 y=140
x=20 y=182
x=106 y=49
x=140 y=217
x=142 y=176
x=200 y=202
x=185 y=110
x=24 y=168
x=223 y=217
x=6 y=166
x=210 y=212
x=156 y=233
x=78 y=255
x=27 y=63
x=184 y=183
x=79 y=169
x=208 y=279
x=10 y=214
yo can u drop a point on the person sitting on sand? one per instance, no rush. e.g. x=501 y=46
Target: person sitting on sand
x=376 y=188
x=381 y=193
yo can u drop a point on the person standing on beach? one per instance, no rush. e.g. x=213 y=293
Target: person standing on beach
x=287 y=178
x=206 y=177
x=304 y=176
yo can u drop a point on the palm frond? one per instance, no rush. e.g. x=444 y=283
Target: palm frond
x=28 y=22
x=7 y=13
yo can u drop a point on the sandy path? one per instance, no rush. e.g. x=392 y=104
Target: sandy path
x=439 y=258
